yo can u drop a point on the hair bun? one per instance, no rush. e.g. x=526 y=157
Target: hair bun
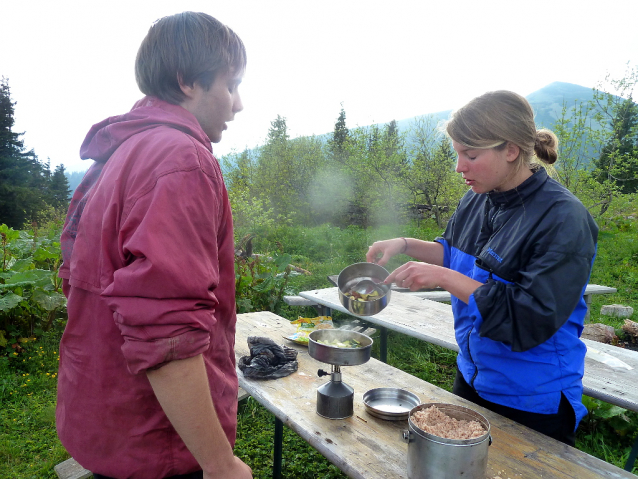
x=546 y=146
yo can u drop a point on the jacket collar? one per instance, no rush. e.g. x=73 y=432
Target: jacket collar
x=518 y=195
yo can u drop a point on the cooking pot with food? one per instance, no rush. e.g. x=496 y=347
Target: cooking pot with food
x=432 y=456
x=361 y=288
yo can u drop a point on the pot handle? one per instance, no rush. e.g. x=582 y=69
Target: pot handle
x=490 y=443
x=407 y=436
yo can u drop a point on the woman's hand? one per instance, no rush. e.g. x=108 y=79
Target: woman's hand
x=415 y=275
x=381 y=251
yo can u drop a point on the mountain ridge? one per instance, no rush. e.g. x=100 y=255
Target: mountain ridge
x=547 y=103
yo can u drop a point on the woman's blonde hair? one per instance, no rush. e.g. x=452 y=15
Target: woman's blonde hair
x=498 y=117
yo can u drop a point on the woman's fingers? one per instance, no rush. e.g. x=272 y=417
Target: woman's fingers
x=396 y=276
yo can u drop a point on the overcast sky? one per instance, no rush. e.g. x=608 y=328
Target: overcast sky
x=70 y=63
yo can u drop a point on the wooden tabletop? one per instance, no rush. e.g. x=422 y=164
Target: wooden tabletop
x=444 y=296
x=611 y=373
x=366 y=447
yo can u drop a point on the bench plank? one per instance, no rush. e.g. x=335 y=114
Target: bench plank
x=70 y=469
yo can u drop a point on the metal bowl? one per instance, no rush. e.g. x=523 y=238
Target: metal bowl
x=348 y=279
x=392 y=404
x=335 y=355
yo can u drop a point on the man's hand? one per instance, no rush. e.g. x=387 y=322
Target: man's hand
x=182 y=389
x=237 y=470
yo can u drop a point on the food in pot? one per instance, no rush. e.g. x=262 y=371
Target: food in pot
x=357 y=296
x=434 y=421
x=346 y=343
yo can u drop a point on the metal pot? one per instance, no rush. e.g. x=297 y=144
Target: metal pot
x=351 y=276
x=335 y=355
x=434 y=457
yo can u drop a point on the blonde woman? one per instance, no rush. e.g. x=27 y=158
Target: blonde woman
x=516 y=257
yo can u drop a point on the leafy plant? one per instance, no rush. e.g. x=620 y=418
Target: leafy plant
x=30 y=290
x=602 y=415
x=260 y=281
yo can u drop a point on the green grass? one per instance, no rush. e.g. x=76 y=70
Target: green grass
x=29 y=447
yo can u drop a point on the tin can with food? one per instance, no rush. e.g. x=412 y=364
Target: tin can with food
x=446 y=441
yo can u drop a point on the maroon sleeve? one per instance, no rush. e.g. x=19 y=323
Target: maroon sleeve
x=164 y=298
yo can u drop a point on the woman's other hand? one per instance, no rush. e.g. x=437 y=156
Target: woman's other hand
x=381 y=251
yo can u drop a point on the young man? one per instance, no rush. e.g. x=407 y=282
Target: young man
x=147 y=385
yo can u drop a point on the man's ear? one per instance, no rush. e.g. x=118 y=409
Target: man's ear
x=186 y=89
x=512 y=151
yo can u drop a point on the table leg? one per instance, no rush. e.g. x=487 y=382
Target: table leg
x=383 y=345
x=279 y=437
x=588 y=302
x=632 y=456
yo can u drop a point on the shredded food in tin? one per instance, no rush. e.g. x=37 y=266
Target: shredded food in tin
x=434 y=421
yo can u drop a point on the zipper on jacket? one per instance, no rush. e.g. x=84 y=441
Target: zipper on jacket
x=471 y=382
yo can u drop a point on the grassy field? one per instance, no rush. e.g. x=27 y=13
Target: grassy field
x=29 y=447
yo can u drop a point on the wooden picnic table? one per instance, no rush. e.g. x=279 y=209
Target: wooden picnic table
x=611 y=373
x=366 y=447
x=445 y=297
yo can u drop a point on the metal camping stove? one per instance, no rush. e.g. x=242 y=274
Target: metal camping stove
x=335 y=398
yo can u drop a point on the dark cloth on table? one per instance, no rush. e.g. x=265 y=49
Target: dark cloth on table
x=267 y=359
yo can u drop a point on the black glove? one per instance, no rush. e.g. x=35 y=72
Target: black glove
x=267 y=360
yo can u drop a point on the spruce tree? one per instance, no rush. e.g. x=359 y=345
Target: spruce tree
x=339 y=137
x=23 y=179
x=59 y=191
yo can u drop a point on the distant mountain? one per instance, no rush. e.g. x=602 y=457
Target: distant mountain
x=548 y=101
x=547 y=104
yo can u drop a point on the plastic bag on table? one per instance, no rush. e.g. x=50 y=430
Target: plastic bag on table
x=305 y=326
x=267 y=359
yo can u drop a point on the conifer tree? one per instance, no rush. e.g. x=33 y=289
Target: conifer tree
x=59 y=191
x=23 y=179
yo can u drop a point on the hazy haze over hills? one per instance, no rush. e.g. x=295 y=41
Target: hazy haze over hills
x=547 y=104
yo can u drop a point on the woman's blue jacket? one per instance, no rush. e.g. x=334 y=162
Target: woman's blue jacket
x=533 y=248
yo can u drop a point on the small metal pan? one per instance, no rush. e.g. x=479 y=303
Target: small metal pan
x=391 y=404
x=354 y=274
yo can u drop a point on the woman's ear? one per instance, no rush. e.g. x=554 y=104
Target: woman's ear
x=512 y=151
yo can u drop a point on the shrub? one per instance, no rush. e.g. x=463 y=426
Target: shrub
x=31 y=300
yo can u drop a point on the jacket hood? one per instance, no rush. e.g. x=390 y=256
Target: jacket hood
x=105 y=137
